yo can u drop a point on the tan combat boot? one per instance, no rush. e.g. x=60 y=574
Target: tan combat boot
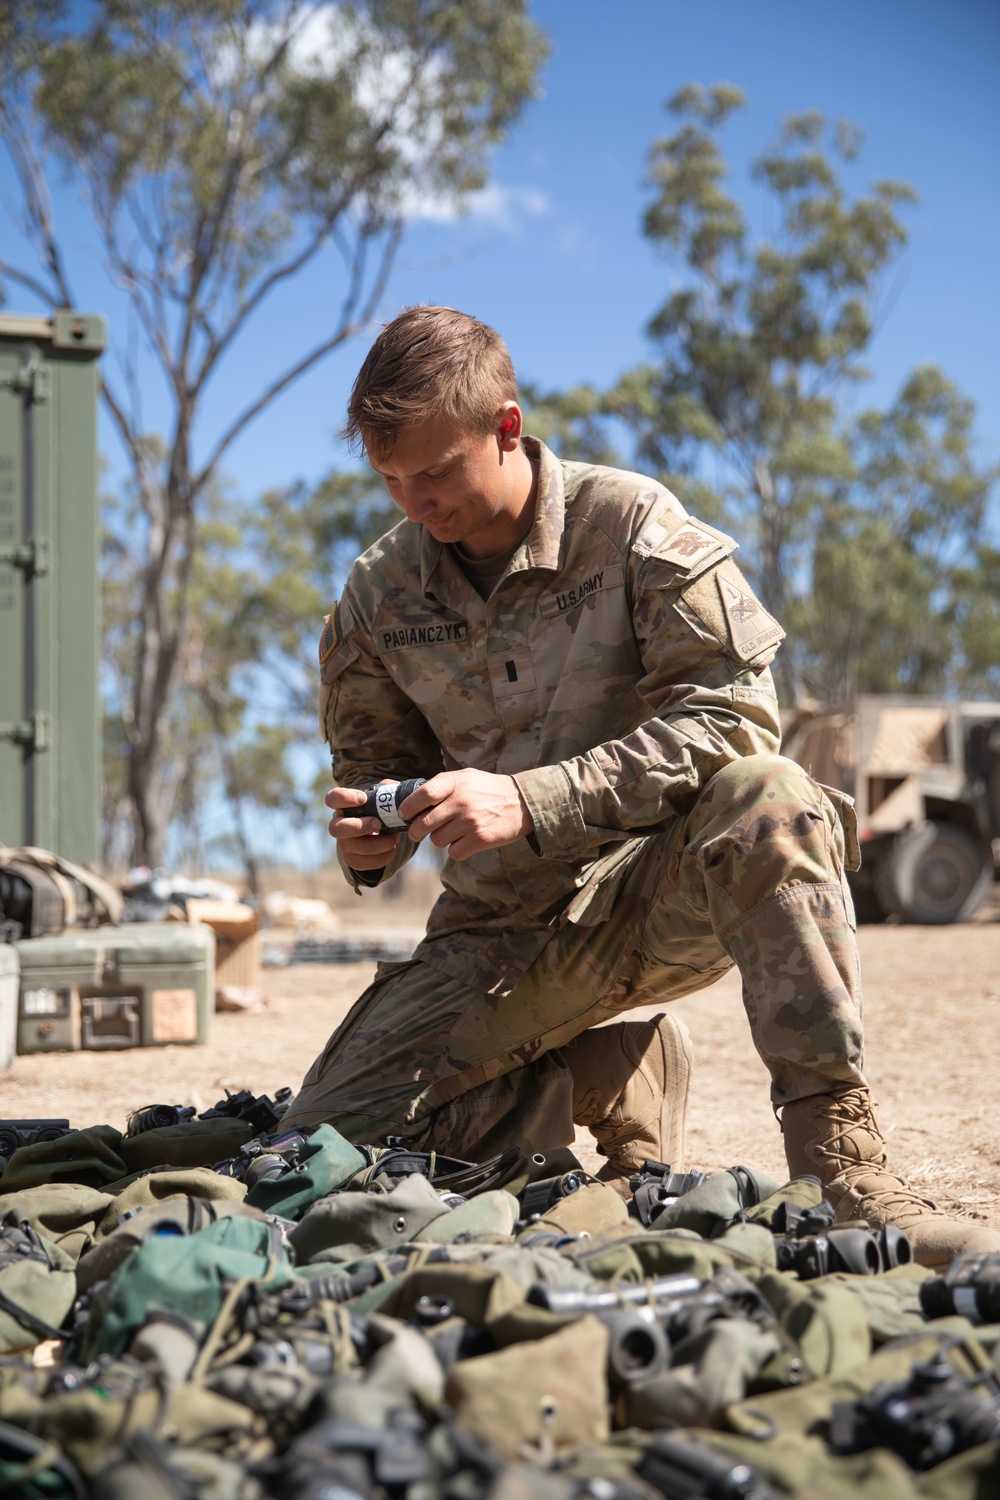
x=630 y=1086
x=836 y=1137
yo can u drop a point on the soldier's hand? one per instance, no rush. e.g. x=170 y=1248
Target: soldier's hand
x=363 y=842
x=467 y=811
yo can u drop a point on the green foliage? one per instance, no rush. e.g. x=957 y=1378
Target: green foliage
x=900 y=595
x=867 y=537
x=222 y=146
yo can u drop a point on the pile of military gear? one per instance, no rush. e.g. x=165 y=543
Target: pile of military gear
x=221 y=1307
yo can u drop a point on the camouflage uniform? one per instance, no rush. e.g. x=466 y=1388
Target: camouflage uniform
x=619 y=672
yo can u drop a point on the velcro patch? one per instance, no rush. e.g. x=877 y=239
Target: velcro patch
x=649 y=539
x=690 y=544
x=329 y=640
x=751 y=628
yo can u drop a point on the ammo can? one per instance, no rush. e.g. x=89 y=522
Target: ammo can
x=9 y=972
x=146 y=984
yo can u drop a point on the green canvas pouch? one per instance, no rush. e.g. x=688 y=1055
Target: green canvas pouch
x=67 y=1213
x=799 y=1464
x=154 y=1187
x=824 y=1319
x=709 y=1371
x=636 y=1255
x=179 y=1215
x=488 y=1213
x=189 y=1275
x=37 y=1287
x=891 y=1301
x=345 y=1226
x=122 y=1397
x=753 y=1241
x=593 y=1208
x=146 y=1469
x=787 y=1429
x=87 y=1156
x=724 y=1199
x=974 y=1475
x=195 y=1143
x=550 y=1393
x=326 y=1163
x=801 y=1192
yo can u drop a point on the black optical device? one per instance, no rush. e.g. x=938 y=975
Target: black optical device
x=17 y=1133
x=384 y=801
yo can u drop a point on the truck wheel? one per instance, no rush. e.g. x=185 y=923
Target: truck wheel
x=934 y=874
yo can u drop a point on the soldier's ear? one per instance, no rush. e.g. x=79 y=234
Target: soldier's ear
x=510 y=425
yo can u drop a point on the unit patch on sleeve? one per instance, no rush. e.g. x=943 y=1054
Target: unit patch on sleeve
x=688 y=549
x=328 y=641
x=751 y=628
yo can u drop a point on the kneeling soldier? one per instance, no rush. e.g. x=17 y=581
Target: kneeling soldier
x=579 y=671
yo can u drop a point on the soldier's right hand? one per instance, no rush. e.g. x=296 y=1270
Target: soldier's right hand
x=363 y=842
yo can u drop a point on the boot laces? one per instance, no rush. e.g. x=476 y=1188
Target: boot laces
x=849 y=1112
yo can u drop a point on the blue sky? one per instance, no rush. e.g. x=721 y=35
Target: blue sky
x=553 y=256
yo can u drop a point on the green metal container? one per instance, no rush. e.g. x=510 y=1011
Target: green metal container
x=10 y=970
x=145 y=984
x=50 y=767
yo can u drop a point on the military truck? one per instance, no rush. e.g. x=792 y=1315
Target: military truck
x=925 y=775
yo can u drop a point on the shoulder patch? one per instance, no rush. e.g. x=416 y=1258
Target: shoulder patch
x=329 y=640
x=751 y=628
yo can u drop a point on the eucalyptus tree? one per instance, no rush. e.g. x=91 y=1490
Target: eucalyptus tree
x=222 y=147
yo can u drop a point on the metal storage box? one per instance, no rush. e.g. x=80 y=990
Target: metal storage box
x=141 y=985
x=9 y=971
x=50 y=714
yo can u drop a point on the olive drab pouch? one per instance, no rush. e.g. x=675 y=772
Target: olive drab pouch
x=67 y=1213
x=89 y=1157
x=490 y=1213
x=195 y=1143
x=324 y=1163
x=155 y=1187
x=726 y=1198
x=188 y=1274
x=145 y=1468
x=344 y=1226
x=179 y=1215
x=545 y=1395
x=37 y=1287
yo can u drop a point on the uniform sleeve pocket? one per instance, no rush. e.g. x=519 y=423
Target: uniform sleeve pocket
x=331 y=676
x=848 y=816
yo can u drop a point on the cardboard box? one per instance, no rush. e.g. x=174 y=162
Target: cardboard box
x=10 y=970
x=236 y=939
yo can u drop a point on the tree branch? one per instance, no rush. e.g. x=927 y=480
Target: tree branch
x=348 y=327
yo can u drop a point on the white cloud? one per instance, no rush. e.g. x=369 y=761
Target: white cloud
x=503 y=206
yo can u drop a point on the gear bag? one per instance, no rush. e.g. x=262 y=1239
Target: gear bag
x=41 y=893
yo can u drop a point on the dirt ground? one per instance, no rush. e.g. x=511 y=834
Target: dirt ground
x=933 y=1059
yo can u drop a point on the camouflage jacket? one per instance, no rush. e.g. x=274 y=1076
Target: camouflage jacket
x=619 y=663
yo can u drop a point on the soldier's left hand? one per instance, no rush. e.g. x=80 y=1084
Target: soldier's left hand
x=467 y=811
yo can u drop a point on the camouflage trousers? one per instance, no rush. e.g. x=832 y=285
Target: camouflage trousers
x=753 y=875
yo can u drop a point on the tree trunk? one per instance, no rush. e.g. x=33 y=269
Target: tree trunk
x=162 y=630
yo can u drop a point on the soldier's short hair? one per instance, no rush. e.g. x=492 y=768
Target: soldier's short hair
x=429 y=361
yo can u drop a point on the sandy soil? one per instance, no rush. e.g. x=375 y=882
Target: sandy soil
x=932 y=1022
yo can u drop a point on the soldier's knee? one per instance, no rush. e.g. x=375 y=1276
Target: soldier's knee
x=757 y=780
